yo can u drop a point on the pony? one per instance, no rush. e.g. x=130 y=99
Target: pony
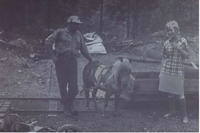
x=113 y=80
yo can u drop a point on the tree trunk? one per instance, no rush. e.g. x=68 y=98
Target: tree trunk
x=101 y=18
x=48 y=15
x=132 y=20
x=128 y=20
x=135 y=19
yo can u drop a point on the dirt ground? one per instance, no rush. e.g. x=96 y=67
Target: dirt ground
x=25 y=78
x=142 y=117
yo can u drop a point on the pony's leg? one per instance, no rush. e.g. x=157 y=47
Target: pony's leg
x=94 y=93
x=87 y=96
x=107 y=96
x=117 y=96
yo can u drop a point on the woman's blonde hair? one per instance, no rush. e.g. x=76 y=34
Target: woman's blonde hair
x=173 y=25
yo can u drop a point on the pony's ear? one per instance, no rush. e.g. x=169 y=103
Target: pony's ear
x=129 y=60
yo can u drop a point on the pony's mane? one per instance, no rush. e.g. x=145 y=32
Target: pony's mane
x=121 y=64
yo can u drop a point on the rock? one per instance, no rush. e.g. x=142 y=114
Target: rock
x=69 y=128
x=32 y=55
x=19 y=71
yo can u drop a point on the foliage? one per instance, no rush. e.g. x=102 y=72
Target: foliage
x=126 y=18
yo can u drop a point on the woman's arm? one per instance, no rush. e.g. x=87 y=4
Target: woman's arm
x=182 y=47
x=165 y=54
x=184 y=53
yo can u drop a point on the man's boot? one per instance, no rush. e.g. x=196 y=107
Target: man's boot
x=172 y=107
x=66 y=108
x=183 y=111
x=71 y=108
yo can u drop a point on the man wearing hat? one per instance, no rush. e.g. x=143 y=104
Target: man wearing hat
x=64 y=45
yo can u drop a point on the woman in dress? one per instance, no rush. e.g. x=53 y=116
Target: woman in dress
x=172 y=69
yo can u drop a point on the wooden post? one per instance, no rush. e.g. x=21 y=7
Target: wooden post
x=48 y=15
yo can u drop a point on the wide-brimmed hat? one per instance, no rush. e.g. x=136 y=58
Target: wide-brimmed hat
x=74 y=19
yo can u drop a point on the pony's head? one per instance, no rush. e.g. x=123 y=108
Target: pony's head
x=122 y=70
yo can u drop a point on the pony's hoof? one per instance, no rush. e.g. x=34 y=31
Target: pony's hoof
x=185 y=120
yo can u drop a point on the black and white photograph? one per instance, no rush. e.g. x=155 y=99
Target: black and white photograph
x=99 y=65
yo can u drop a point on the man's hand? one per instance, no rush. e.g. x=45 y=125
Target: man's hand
x=54 y=56
x=75 y=52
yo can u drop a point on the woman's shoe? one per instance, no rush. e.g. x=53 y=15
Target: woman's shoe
x=183 y=111
x=172 y=108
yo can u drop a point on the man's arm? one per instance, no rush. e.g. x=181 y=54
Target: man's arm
x=83 y=49
x=49 y=42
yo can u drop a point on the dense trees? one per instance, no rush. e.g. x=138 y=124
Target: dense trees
x=124 y=18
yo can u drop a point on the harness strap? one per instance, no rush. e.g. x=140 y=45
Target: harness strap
x=101 y=73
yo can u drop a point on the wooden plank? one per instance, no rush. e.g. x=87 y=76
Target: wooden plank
x=156 y=61
x=191 y=85
x=151 y=85
x=190 y=74
x=53 y=105
x=146 y=85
